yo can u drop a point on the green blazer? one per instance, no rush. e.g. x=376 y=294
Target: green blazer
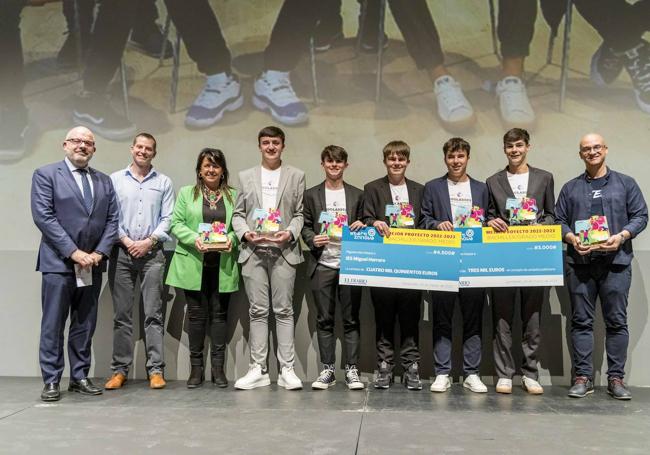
x=186 y=268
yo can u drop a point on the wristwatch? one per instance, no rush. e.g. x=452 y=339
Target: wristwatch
x=623 y=239
x=154 y=240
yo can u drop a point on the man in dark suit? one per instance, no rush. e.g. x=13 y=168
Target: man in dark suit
x=448 y=202
x=518 y=180
x=75 y=208
x=402 y=304
x=333 y=203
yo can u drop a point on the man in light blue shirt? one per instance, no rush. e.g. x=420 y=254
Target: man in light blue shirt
x=146 y=202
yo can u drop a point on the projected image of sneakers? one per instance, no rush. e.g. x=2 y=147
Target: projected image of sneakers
x=605 y=66
x=95 y=112
x=514 y=105
x=637 y=64
x=273 y=93
x=221 y=93
x=454 y=110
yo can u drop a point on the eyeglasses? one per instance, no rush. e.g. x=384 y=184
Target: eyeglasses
x=596 y=148
x=77 y=141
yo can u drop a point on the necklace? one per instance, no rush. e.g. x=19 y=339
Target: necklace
x=211 y=196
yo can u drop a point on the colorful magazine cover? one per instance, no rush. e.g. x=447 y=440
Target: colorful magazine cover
x=522 y=211
x=331 y=223
x=464 y=217
x=267 y=221
x=593 y=230
x=213 y=233
x=400 y=215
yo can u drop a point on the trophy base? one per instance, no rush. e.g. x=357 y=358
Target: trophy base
x=216 y=246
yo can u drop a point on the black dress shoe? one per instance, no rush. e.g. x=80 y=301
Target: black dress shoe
x=51 y=392
x=616 y=388
x=85 y=387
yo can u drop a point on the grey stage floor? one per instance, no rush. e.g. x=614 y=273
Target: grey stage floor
x=271 y=420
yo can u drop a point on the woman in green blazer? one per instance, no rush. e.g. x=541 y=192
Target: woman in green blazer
x=206 y=276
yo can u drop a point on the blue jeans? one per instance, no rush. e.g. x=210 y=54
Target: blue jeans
x=611 y=283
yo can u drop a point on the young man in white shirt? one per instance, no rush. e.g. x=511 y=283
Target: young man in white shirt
x=447 y=203
x=516 y=181
x=273 y=193
x=329 y=206
x=390 y=304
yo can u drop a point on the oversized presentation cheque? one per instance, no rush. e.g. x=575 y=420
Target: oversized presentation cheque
x=521 y=256
x=408 y=259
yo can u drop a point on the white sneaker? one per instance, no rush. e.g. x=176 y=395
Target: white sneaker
x=441 y=384
x=454 y=110
x=220 y=93
x=504 y=385
x=514 y=105
x=273 y=92
x=253 y=379
x=473 y=382
x=531 y=386
x=289 y=380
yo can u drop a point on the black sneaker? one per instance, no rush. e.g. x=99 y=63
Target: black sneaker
x=411 y=377
x=148 y=40
x=606 y=66
x=370 y=29
x=328 y=32
x=582 y=386
x=384 y=377
x=95 y=112
x=326 y=379
x=13 y=129
x=616 y=388
x=352 y=379
x=637 y=64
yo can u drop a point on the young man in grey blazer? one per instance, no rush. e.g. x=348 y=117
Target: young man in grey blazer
x=518 y=180
x=395 y=304
x=269 y=260
x=335 y=203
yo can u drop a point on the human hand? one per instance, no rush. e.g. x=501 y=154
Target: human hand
x=321 y=240
x=382 y=228
x=498 y=225
x=446 y=226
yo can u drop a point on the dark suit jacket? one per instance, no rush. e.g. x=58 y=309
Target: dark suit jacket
x=59 y=213
x=314 y=204
x=436 y=206
x=376 y=195
x=540 y=187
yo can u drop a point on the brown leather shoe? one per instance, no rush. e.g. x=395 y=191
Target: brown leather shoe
x=156 y=381
x=115 y=382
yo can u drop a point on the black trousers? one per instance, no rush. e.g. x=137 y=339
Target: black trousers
x=297 y=19
x=325 y=287
x=503 y=311
x=207 y=308
x=194 y=19
x=442 y=309
x=12 y=77
x=516 y=26
x=620 y=24
x=400 y=305
x=587 y=282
